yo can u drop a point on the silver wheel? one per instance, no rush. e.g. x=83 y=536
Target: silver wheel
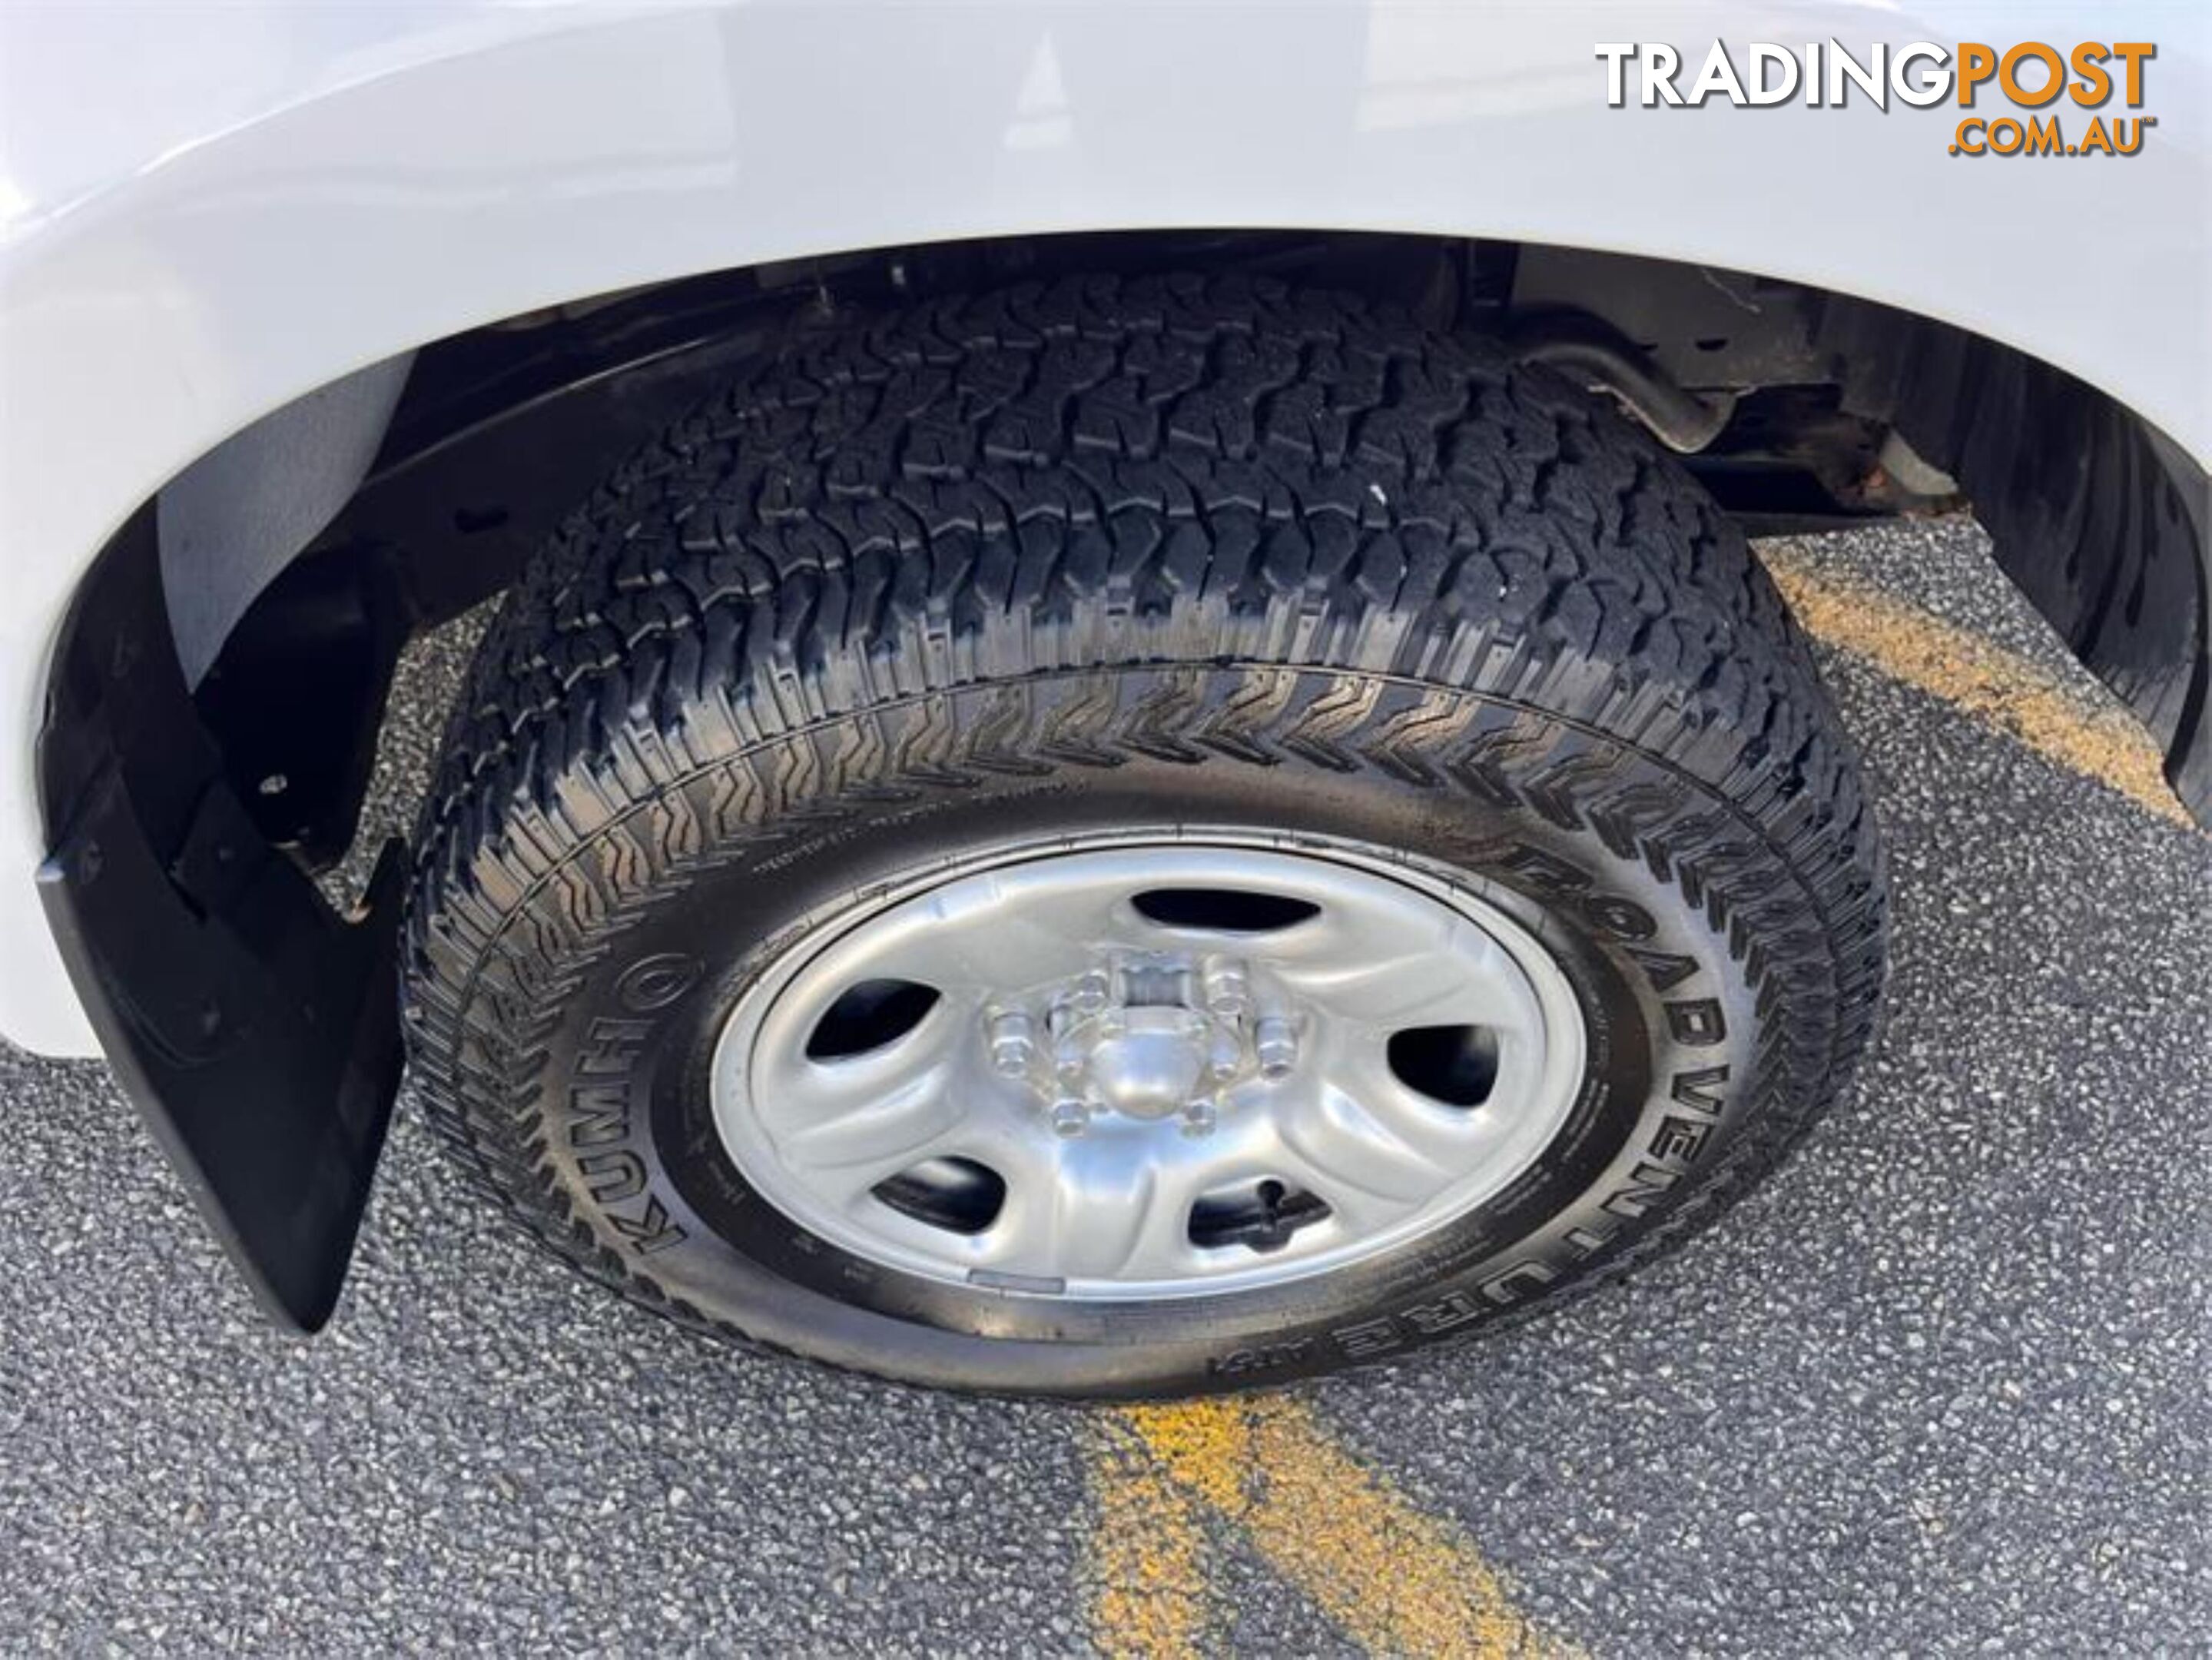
x=1126 y=1069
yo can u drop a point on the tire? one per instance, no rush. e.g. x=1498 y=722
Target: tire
x=1173 y=565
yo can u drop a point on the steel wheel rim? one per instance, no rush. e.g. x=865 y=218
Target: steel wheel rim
x=1162 y=1191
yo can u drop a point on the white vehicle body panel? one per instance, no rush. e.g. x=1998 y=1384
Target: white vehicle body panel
x=205 y=212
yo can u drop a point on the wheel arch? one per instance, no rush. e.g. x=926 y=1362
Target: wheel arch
x=299 y=554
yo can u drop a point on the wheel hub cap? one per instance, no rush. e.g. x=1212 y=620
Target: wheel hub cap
x=1146 y=1035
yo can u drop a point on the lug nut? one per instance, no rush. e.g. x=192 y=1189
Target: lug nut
x=1228 y=989
x=1275 y=1043
x=1012 y=1043
x=1070 y=1118
x=1225 y=1054
x=1199 y=1119
x=1091 y=992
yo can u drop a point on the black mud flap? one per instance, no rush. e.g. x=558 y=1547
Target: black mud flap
x=256 y=1029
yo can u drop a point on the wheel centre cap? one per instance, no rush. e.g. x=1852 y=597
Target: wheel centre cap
x=1152 y=1068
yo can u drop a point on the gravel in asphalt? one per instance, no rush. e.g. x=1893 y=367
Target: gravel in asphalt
x=1940 y=1387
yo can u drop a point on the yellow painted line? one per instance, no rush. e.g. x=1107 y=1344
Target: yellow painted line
x=1397 y=1581
x=1149 y=1596
x=2098 y=739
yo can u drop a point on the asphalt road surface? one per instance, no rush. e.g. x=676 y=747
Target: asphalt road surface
x=1941 y=1387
